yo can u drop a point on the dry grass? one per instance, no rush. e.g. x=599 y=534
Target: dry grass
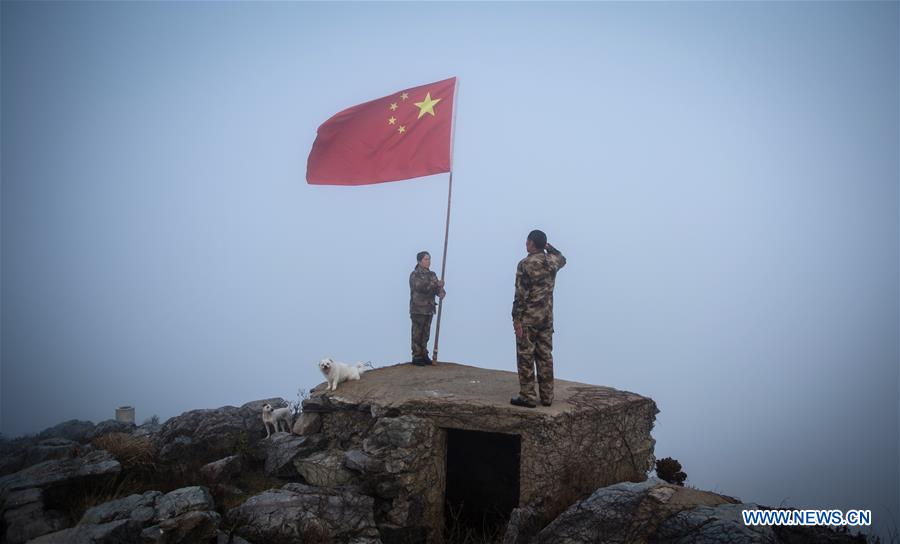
x=133 y=452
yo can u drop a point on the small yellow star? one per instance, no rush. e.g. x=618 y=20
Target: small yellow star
x=427 y=105
x=404 y=96
x=392 y=120
x=402 y=129
x=393 y=106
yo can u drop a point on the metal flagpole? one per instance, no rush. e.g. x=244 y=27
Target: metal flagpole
x=437 y=329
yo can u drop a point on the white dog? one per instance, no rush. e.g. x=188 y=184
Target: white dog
x=336 y=372
x=275 y=417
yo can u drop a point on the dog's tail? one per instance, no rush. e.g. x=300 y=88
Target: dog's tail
x=362 y=367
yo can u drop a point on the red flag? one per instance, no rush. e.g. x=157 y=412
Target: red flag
x=401 y=136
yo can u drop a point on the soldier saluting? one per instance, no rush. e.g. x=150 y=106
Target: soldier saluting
x=423 y=287
x=532 y=315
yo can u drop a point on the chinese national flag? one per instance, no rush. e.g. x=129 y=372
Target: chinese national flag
x=401 y=136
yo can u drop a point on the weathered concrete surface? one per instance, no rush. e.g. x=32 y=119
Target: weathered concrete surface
x=591 y=437
x=460 y=388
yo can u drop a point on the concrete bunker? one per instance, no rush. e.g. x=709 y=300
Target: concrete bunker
x=419 y=439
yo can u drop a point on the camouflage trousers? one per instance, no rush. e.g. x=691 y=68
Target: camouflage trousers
x=421 y=331
x=535 y=348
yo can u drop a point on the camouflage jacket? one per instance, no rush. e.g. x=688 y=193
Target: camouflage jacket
x=423 y=288
x=535 y=279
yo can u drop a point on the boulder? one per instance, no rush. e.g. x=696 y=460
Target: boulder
x=301 y=513
x=182 y=501
x=112 y=426
x=25 y=517
x=190 y=527
x=324 y=469
x=522 y=526
x=149 y=430
x=722 y=524
x=207 y=435
x=308 y=423
x=74 y=429
x=54 y=448
x=95 y=467
x=281 y=450
x=223 y=469
x=184 y=515
x=140 y=508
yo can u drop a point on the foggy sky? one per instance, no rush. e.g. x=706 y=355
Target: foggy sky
x=722 y=178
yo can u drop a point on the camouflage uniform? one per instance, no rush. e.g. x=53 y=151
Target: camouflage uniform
x=533 y=308
x=423 y=287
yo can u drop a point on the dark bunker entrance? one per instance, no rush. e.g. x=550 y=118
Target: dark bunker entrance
x=482 y=483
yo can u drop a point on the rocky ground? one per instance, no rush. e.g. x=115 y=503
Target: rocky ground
x=212 y=476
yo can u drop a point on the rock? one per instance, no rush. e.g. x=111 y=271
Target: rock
x=655 y=512
x=140 y=508
x=122 y=531
x=74 y=429
x=522 y=526
x=53 y=449
x=182 y=501
x=396 y=432
x=207 y=435
x=607 y=516
x=719 y=525
x=97 y=466
x=190 y=527
x=149 y=430
x=12 y=459
x=224 y=538
x=357 y=460
x=223 y=469
x=184 y=515
x=112 y=426
x=281 y=450
x=324 y=469
x=300 y=513
x=30 y=519
x=308 y=423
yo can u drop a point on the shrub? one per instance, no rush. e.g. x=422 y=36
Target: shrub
x=669 y=469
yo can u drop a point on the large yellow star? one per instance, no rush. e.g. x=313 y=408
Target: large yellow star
x=427 y=105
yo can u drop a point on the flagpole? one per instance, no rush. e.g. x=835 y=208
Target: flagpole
x=437 y=331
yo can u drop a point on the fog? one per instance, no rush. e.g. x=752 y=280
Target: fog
x=722 y=178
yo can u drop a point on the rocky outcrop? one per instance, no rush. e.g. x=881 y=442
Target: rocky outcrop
x=301 y=513
x=184 y=515
x=74 y=429
x=27 y=516
x=95 y=467
x=112 y=426
x=656 y=512
x=206 y=435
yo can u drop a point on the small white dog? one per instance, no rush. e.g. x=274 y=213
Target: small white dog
x=336 y=372
x=275 y=417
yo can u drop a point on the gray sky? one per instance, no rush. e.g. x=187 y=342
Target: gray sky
x=722 y=177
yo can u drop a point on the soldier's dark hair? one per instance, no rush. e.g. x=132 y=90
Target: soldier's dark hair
x=421 y=255
x=538 y=238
